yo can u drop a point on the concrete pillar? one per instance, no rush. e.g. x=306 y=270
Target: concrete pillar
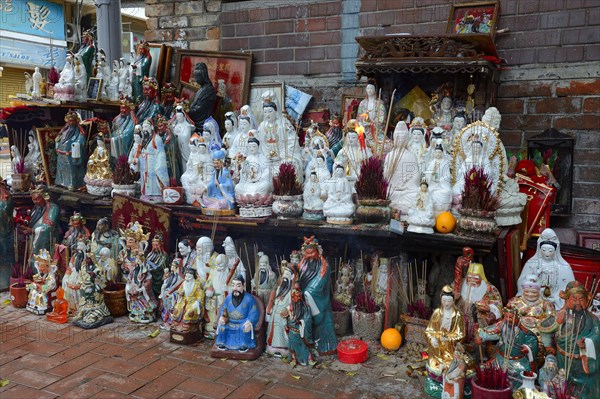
x=110 y=31
x=350 y=28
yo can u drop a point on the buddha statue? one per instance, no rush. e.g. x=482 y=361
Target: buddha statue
x=353 y=152
x=98 y=178
x=339 y=206
x=253 y=193
x=313 y=203
x=438 y=176
x=421 y=218
x=60 y=308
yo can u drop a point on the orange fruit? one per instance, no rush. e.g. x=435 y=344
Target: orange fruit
x=445 y=222
x=391 y=339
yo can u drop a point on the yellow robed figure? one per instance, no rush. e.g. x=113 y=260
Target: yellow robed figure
x=189 y=308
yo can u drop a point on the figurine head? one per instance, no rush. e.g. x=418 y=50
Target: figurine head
x=311 y=248
x=468 y=253
x=295 y=257
x=229 y=121
x=147 y=128
x=103 y=225
x=143 y=48
x=168 y=92
x=296 y=294
x=42 y=261
x=551 y=364
x=446 y=103
x=184 y=247
x=72 y=118
x=104 y=253
x=270 y=111
x=157 y=243
x=218 y=159
x=190 y=274
x=201 y=73
x=229 y=247
x=76 y=220
x=221 y=262
x=475 y=274
x=370 y=90
x=126 y=104
x=81 y=245
x=150 y=87
x=511 y=316
x=576 y=296
x=531 y=289
x=338 y=170
x=459 y=121
x=492 y=117
x=263 y=261
x=401 y=134
x=245 y=123
x=87 y=37
x=447 y=297
x=548 y=250
x=352 y=138
x=39 y=195
x=204 y=245
x=175 y=265
x=210 y=129
x=238 y=285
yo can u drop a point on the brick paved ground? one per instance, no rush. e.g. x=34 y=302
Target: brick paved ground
x=46 y=360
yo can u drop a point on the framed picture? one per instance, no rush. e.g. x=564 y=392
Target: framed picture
x=589 y=239
x=93 y=88
x=350 y=107
x=477 y=18
x=187 y=91
x=161 y=62
x=231 y=68
x=47 y=137
x=274 y=90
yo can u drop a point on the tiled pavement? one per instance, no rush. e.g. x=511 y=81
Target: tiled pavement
x=46 y=360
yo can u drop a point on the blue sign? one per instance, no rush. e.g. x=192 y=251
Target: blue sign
x=33 y=17
x=31 y=54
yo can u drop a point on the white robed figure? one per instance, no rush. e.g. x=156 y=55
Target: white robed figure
x=153 y=164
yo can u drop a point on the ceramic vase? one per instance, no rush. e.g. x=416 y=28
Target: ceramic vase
x=528 y=381
x=124 y=189
x=20 y=182
x=288 y=206
x=368 y=326
x=19 y=294
x=373 y=211
x=475 y=221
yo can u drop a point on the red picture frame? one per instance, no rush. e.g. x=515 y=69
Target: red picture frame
x=473 y=18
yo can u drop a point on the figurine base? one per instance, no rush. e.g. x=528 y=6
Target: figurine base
x=36 y=311
x=218 y=212
x=420 y=229
x=256 y=212
x=98 y=188
x=185 y=338
x=313 y=215
x=96 y=324
x=341 y=221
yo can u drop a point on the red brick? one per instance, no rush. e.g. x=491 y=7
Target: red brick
x=538 y=38
x=525 y=89
x=293 y=40
x=251 y=29
x=368 y=6
x=239 y=43
x=592 y=52
x=528 y=6
x=274 y=55
x=512 y=138
x=325 y=9
x=286 y=391
x=118 y=366
x=585 y=141
x=586 y=190
x=578 y=88
x=390 y=5
x=290 y=11
x=258 y=56
x=76 y=350
x=309 y=53
x=159 y=35
x=21 y=392
x=578 y=122
x=177 y=394
x=587 y=173
x=581 y=35
x=404 y=17
x=510 y=106
x=234 y=17
x=109 y=394
x=591 y=105
x=507 y=7
x=586 y=206
x=263 y=14
x=118 y=383
x=279 y=27
x=76 y=364
x=334 y=23
x=37 y=362
x=325 y=38
x=117 y=351
x=586 y=156
x=252 y=389
x=159 y=10
x=265 y=69
x=213 y=33
x=424 y=14
x=527 y=22
x=32 y=378
x=72 y=382
x=554 y=20
x=311 y=24
x=43 y=348
x=226 y=364
x=577 y=18
x=559 y=105
x=153 y=354
x=200 y=371
x=329 y=66
x=428 y=29
x=160 y=386
x=561 y=54
x=550 y=5
x=205 y=388
x=293 y=68
x=262 y=42
x=526 y=122
x=190 y=355
x=227 y=31
x=379 y=19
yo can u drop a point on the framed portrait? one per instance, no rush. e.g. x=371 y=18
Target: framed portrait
x=589 y=239
x=93 y=88
x=161 y=62
x=478 y=18
x=233 y=69
x=47 y=137
x=350 y=107
x=275 y=91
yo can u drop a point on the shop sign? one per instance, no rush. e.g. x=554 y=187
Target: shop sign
x=31 y=54
x=33 y=17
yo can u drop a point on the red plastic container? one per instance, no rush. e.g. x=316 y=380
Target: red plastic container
x=352 y=351
x=479 y=392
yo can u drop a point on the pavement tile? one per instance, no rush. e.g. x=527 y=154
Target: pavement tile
x=251 y=389
x=43 y=348
x=118 y=383
x=117 y=366
x=153 y=353
x=13 y=343
x=109 y=394
x=112 y=350
x=287 y=391
x=226 y=364
x=82 y=391
x=22 y=392
x=200 y=371
x=150 y=371
x=160 y=386
x=190 y=355
x=178 y=394
x=76 y=364
x=37 y=362
x=76 y=351
x=12 y=355
x=74 y=381
x=10 y=367
x=32 y=378
x=205 y=388
x=239 y=374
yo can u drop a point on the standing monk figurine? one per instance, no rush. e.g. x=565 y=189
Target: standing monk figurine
x=141 y=69
x=123 y=124
x=203 y=102
x=315 y=283
x=87 y=52
x=71 y=153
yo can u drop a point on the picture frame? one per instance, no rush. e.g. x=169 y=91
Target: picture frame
x=161 y=62
x=187 y=91
x=473 y=18
x=349 y=108
x=589 y=239
x=256 y=101
x=232 y=67
x=94 y=88
x=47 y=141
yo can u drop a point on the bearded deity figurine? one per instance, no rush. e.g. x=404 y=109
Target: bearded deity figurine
x=154 y=171
x=183 y=127
x=141 y=300
x=547 y=373
x=149 y=107
x=187 y=253
x=98 y=178
x=421 y=218
x=205 y=258
x=167 y=94
x=44 y=222
x=70 y=281
x=91 y=310
x=87 y=52
x=401 y=168
x=479 y=300
x=577 y=335
x=188 y=310
x=300 y=326
x=77 y=231
x=81 y=81
x=353 y=152
x=123 y=125
x=134 y=243
x=371 y=114
x=44 y=282
x=265 y=279
x=156 y=262
x=141 y=70
x=199 y=165
x=438 y=176
x=172 y=279
x=313 y=203
x=339 y=206
x=219 y=198
x=104 y=237
x=216 y=291
x=202 y=104
x=253 y=193
x=279 y=300
x=517 y=346
x=71 y=153
x=510 y=203
x=552 y=271
x=64 y=90
x=163 y=129
x=233 y=259
x=315 y=283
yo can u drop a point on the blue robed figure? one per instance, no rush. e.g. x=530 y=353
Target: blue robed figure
x=220 y=192
x=238 y=318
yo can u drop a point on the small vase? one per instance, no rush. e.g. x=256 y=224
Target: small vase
x=124 y=189
x=368 y=326
x=373 y=211
x=288 y=206
x=20 y=182
x=476 y=221
x=19 y=294
x=528 y=381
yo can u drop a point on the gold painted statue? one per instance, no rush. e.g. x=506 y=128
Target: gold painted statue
x=189 y=308
x=98 y=178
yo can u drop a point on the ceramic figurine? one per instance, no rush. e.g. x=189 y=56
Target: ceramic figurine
x=315 y=282
x=417 y=144
x=102 y=72
x=216 y=291
x=211 y=134
x=254 y=191
x=141 y=300
x=28 y=83
x=315 y=143
x=240 y=142
x=265 y=279
x=187 y=253
x=141 y=70
x=552 y=271
x=104 y=237
x=517 y=345
x=300 y=326
x=172 y=280
x=203 y=101
x=71 y=153
x=460 y=266
x=91 y=310
x=156 y=262
x=380 y=282
x=81 y=80
x=183 y=128
x=313 y=203
x=65 y=88
x=44 y=222
x=219 y=198
x=37 y=79
x=44 y=282
x=112 y=90
x=438 y=177
x=547 y=373
x=353 y=152
x=231 y=131
x=335 y=134
x=271 y=131
x=238 y=318
x=154 y=171
x=339 y=206
x=77 y=231
x=510 y=203
x=443 y=115
x=454 y=375
x=87 y=52
x=479 y=296
x=133 y=157
x=123 y=124
x=223 y=103
x=279 y=301
x=401 y=169
x=124 y=80
x=189 y=308
x=459 y=121
x=246 y=112
x=98 y=178
x=344 y=291
x=199 y=166
x=320 y=166
x=7 y=231
x=70 y=281
x=421 y=218
x=233 y=259
x=134 y=243
x=60 y=308
x=149 y=107
x=163 y=129
x=108 y=265
x=33 y=159
x=205 y=258
x=167 y=94
x=371 y=114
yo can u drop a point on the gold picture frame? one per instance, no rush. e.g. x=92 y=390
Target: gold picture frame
x=47 y=141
